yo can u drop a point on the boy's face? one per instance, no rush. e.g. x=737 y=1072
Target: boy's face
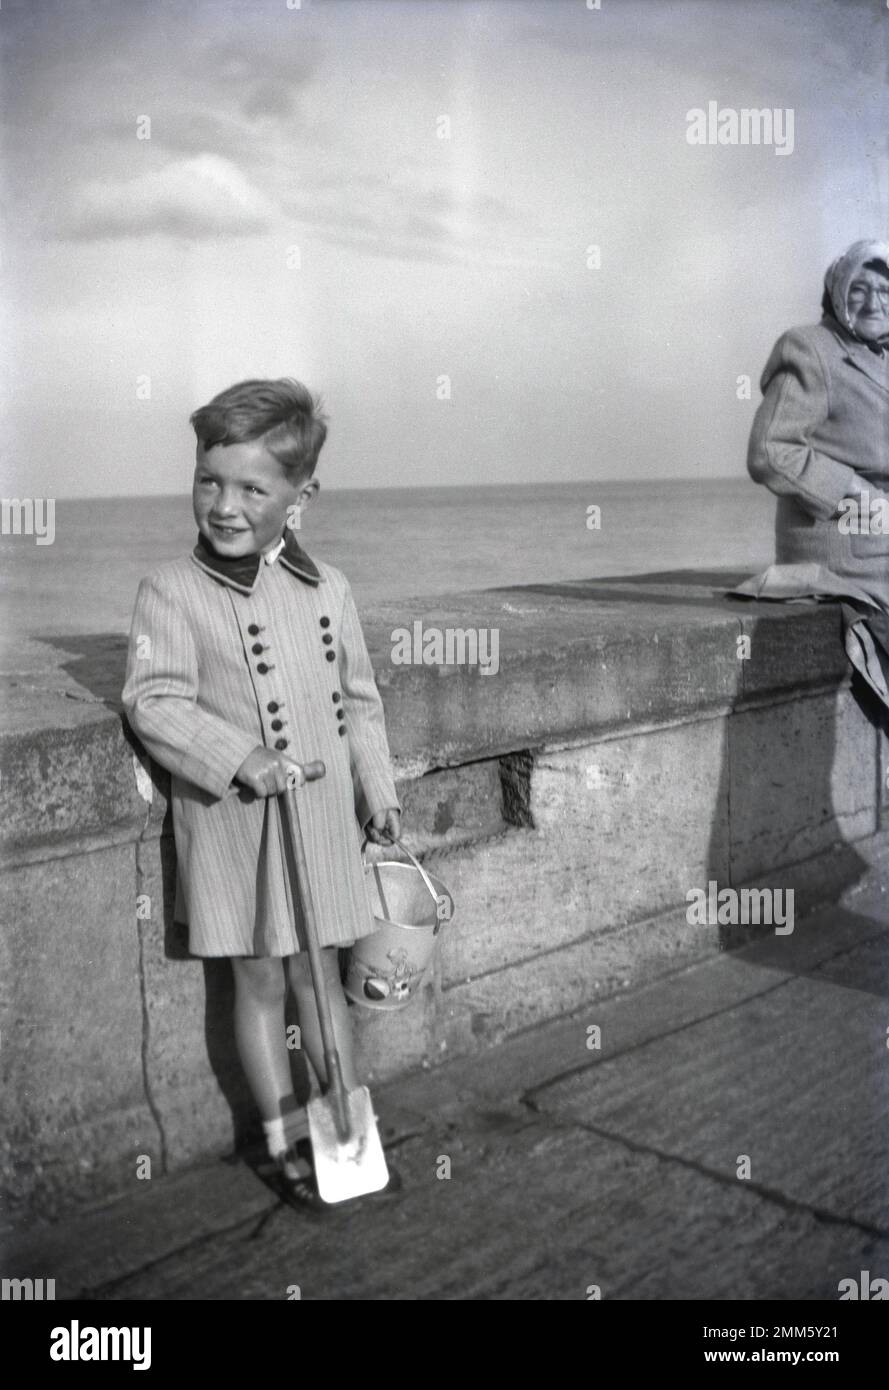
x=241 y=495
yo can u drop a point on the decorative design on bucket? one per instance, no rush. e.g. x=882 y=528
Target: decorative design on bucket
x=410 y=905
x=397 y=984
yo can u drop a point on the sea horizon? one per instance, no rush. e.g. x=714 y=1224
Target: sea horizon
x=397 y=542
x=423 y=487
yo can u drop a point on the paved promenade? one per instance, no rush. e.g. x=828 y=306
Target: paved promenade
x=571 y=1166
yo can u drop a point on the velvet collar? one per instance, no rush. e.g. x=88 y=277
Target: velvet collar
x=241 y=572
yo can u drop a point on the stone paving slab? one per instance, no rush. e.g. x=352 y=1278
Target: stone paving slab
x=796 y=1078
x=572 y=1167
x=161 y=1215
x=531 y=1211
x=627 y=1020
x=157 y=1217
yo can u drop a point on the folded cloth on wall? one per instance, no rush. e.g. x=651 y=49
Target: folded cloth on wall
x=865 y=622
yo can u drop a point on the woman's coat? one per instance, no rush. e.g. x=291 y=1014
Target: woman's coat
x=218 y=666
x=823 y=420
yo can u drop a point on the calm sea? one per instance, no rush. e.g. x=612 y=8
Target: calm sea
x=396 y=542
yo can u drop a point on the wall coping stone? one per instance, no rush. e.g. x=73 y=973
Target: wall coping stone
x=578 y=659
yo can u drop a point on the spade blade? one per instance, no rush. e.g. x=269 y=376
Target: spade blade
x=351 y=1167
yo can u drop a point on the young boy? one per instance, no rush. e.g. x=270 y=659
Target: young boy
x=246 y=658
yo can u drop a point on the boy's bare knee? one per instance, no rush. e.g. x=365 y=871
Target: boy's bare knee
x=263 y=979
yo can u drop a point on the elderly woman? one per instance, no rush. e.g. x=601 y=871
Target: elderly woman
x=821 y=434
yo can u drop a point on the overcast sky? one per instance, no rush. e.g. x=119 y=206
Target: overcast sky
x=312 y=135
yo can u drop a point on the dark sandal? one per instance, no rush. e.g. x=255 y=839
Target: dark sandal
x=295 y=1179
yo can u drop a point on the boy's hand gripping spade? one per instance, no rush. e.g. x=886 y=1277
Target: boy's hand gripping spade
x=346 y=1147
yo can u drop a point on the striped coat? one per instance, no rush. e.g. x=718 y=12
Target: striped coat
x=217 y=667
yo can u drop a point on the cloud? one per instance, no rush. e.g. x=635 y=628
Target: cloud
x=253 y=128
x=203 y=197
x=406 y=212
x=410 y=235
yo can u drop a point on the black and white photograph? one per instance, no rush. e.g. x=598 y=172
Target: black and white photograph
x=445 y=695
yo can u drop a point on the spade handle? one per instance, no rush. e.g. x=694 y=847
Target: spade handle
x=302 y=886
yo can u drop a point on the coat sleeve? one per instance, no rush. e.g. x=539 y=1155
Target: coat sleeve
x=160 y=697
x=795 y=401
x=365 y=720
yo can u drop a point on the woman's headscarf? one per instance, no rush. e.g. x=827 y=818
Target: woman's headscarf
x=839 y=277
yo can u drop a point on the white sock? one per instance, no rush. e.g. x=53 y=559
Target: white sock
x=275 y=1138
x=283 y=1132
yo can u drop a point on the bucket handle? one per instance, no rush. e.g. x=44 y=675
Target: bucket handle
x=425 y=877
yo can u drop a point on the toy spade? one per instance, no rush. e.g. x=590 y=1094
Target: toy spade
x=346 y=1148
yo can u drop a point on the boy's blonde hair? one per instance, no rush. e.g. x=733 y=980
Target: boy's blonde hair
x=283 y=414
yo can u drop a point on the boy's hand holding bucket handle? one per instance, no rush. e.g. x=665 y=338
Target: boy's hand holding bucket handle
x=444 y=903
x=384 y=827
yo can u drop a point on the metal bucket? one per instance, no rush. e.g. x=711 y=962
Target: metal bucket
x=385 y=970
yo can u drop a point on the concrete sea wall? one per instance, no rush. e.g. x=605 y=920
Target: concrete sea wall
x=631 y=746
